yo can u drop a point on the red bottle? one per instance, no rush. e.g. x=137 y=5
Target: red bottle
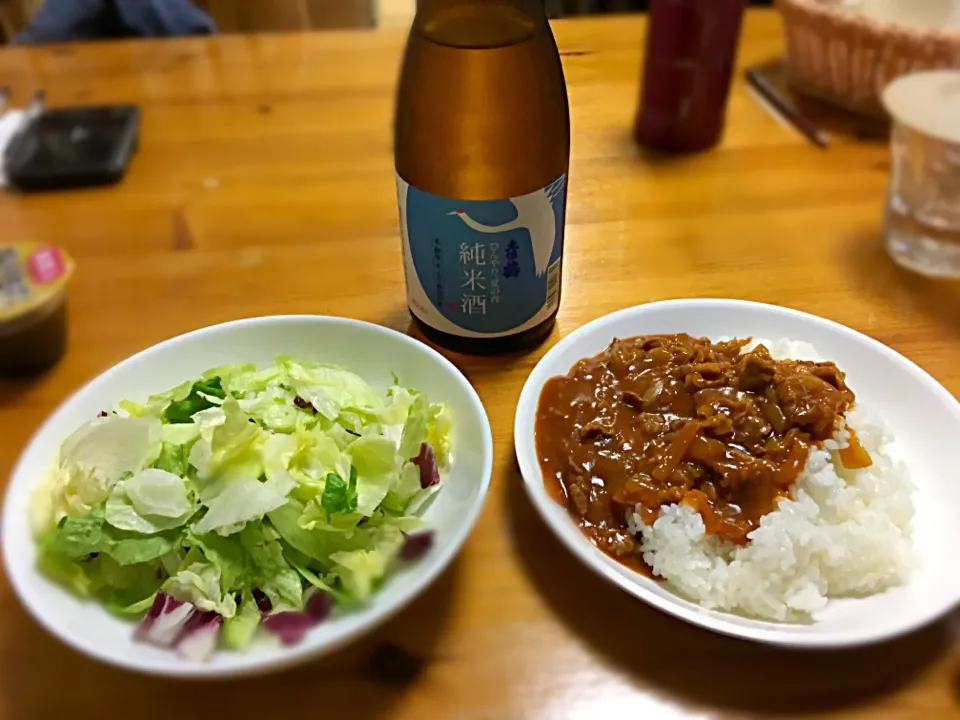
x=691 y=47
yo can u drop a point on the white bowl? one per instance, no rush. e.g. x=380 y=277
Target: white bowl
x=924 y=417
x=373 y=352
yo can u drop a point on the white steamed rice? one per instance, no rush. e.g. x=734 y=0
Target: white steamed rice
x=842 y=533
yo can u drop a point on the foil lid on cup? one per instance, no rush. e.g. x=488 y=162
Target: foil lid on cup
x=31 y=274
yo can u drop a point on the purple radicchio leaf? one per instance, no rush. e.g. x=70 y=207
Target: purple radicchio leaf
x=199 y=636
x=416 y=545
x=318 y=606
x=427 y=462
x=164 y=621
x=289 y=626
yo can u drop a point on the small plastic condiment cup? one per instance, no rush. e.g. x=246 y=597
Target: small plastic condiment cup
x=33 y=312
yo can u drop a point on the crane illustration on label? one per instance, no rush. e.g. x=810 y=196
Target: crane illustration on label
x=535 y=214
x=482 y=268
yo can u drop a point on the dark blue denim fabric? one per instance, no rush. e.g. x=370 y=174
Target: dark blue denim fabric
x=70 y=20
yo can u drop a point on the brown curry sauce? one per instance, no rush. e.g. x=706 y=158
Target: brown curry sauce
x=662 y=419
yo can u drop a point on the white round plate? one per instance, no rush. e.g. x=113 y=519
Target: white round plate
x=924 y=417
x=371 y=351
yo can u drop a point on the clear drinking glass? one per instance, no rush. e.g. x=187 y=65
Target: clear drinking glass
x=922 y=221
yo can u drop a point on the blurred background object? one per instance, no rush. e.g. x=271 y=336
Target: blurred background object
x=241 y=16
x=846 y=51
x=560 y=8
x=14 y=14
x=244 y=16
x=691 y=46
x=72 y=20
x=278 y=15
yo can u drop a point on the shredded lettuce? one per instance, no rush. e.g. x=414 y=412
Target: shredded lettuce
x=199 y=584
x=238 y=501
x=361 y=569
x=174 y=458
x=238 y=630
x=242 y=492
x=97 y=455
x=204 y=394
x=339 y=495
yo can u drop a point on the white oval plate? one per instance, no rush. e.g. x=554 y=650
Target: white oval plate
x=373 y=352
x=924 y=417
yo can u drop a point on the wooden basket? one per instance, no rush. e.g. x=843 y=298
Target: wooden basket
x=847 y=58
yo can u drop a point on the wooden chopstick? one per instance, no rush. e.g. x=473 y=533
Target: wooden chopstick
x=785 y=108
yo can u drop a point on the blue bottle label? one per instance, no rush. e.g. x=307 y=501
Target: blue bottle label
x=482 y=268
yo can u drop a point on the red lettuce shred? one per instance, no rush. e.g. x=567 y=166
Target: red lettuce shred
x=427 y=462
x=291 y=626
x=416 y=545
x=173 y=623
x=304 y=404
x=164 y=621
x=318 y=606
x=198 y=639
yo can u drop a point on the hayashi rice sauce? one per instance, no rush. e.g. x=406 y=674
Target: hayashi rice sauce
x=662 y=419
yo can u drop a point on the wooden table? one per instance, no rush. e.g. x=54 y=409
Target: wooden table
x=264 y=184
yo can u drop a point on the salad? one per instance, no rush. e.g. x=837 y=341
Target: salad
x=249 y=500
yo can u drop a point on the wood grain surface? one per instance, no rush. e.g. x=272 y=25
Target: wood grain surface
x=264 y=184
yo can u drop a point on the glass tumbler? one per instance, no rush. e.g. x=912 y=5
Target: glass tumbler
x=922 y=219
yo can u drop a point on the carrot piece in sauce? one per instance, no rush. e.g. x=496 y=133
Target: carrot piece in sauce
x=855 y=456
